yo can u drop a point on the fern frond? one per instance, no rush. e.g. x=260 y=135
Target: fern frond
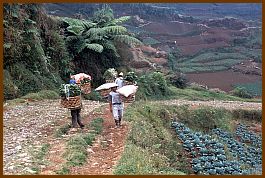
x=122 y=19
x=109 y=45
x=114 y=30
x=72 y=38
x=127 y=39
x=95 y=47
x=76 y=30
x=95 y=34
x=88 y=24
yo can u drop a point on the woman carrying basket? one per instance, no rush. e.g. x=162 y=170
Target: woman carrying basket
x=75 y=113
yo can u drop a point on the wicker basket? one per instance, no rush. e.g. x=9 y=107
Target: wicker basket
x=129 y=99
x=128 y=83
x=104 y=93
x=71 y=102
x=110 y=81
x=85 y=88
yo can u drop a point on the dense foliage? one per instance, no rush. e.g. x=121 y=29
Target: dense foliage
x=93 y=43
x=35 y=56
x=41 y=51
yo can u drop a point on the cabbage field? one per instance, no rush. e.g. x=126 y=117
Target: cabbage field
x=221 y=152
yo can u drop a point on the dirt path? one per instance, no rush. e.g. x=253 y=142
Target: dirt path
x=103 y=154
x=107 y=149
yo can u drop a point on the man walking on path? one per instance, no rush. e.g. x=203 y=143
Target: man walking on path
x=116 y=106
x=119 y=80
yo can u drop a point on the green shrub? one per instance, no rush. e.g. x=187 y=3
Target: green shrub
x=94 y=96
x=10 y=89
x=63 y=171
x=44 y=94
x=253 y=88
x=152 y=85
x=178 y=80
x=32 y=96
x=48 y=94
x=150 y=41
x=249 y=115
x=241 y=92
x=205 y=118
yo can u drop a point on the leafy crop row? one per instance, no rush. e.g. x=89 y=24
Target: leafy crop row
x=211 y=154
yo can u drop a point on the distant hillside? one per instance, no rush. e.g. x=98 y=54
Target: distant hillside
x=199 y=38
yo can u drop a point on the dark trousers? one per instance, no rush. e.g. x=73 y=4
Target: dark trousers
x=75 y=113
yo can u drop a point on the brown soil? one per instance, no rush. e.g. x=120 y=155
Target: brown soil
x=170 y=27
x=104 y=153
x=223 y=79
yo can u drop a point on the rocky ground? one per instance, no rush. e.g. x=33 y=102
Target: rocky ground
x=27 y=126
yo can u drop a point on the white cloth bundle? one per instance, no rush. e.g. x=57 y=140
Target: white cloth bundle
x=127 y=90
x=81 y=76
x=106 y=86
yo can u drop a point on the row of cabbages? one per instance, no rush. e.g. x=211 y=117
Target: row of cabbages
x=219 y=153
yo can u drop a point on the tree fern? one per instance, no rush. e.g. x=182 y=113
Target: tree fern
x=95 y=47
x=127 y=39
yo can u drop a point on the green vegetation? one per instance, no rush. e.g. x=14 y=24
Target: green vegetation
x=155 y=86
x=76 y=153
x=161 y=149
x=209 y=62
x=213 y=59
x=241 y=92
x=150 y=41
x=35 y=55
x=248 y=115
x=41 y=51
x=152 y=85
x=254 y=88
x=43 y=94
x=38 y=156
x=62 y=130
x=156 y=154
x=97 y=39
x=94 y=96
